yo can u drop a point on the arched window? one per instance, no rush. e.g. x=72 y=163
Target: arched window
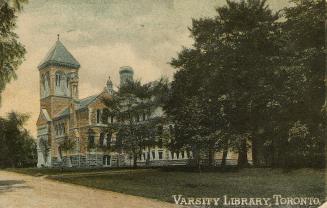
x=91 y=140
x=57 y=132
x=98 y=116
x=101 y=140
x=108 y=138
x=59 y=152
x=58 y=79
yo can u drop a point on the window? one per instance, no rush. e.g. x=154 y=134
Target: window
x=177 y=155
x=108 y=139
x=183 y=155
x=106 y=160
x=101 y=140
x=112 y=119
x=67 y=82
x=148 y=156
x=91 y=141
x=137 y=117
x=58 y=78
x=144 y=116
x=98 y=116
x=172 y=155
x=188 y=154
x=160 y=155
x=153 y=155
x=144 y=156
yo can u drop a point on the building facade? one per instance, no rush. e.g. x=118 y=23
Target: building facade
x=63 y=115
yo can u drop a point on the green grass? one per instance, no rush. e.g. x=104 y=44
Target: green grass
x=158 y=184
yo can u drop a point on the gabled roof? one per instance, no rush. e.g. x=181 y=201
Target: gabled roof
x=59 y=56
x=63 y=113
x=83 y=103
x=46 y=115
x=86 y=101
x=43 y=117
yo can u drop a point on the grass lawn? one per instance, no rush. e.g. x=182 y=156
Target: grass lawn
x=159 y=184
x=65 y=171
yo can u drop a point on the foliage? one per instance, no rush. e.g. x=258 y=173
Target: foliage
x=11 y=51
x=249 y=77
x=18 y=148
x=68 y=144
x=132 y=107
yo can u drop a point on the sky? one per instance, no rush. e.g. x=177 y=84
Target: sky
x=103 y=35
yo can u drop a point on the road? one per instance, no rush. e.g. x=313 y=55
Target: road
x=22 y=191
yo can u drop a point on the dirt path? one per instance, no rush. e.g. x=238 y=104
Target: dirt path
x=22 y=191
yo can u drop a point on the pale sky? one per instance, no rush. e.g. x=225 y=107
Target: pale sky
x=103 y=35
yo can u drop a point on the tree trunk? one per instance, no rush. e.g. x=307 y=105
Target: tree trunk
x=242 y=154
x=134 y=161
x=255 y=158
x=224 y=158
x=210 y=157
x=196 y=157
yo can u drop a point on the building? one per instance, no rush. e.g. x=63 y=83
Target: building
x=63 y=115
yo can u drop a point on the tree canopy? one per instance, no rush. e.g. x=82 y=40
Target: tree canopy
x=11 y=50
x=251 y=78
x=18 y=148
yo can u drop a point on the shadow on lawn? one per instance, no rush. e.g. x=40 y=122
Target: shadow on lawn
x=10 y=185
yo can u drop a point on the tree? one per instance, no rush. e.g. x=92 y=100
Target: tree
x=11 y=51
x=232 y=59
x=132 y=106
x=68 y=145
x=305 y=59
x=18 y=148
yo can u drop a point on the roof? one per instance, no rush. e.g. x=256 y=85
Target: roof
x=83 y=103
x=125 y=69
x=59 y=56
x=86 y=101
x=46 y=115
x=63 y=113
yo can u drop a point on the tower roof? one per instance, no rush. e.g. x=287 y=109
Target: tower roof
x=59 y=56
x=126 y=69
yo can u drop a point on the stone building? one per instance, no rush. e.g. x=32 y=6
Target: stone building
x=63 y=115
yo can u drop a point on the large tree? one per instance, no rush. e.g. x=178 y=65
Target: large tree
x=304 y=30
x=11 y=50
x=253 y=76
x=230 y=65
x=18 y=148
